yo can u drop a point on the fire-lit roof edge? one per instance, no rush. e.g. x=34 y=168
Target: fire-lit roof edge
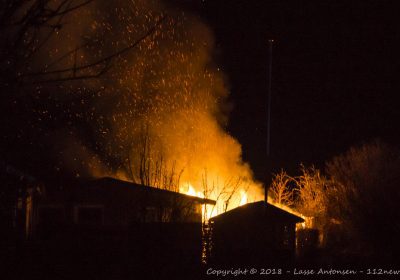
x=260 y=205
x=128 y=184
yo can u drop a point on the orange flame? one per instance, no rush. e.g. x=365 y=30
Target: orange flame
x=209 y=211
x=243 y=198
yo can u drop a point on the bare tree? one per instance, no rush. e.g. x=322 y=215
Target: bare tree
x=231 y=186
x=311 y=187
x=280 y=189
x=364 y=199
x=27 y=26
x=39 y=90
x=222 y=195
x=147 y=166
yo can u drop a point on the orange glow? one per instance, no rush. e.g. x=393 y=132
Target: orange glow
x=243 y=198
x=237 y=198
x=285 y=208
x=307 y=220
x=190 y=190
x=207 y=211
x=168 y=127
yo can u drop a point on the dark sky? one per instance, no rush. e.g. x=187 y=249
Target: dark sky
x=335 y=75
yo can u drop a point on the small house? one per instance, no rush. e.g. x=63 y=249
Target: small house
x=109 y=202
x=110 y=220
x=255 y=233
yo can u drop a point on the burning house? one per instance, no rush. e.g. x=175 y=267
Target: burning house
x=110 y=218
x=109 y=202
x=255 y=233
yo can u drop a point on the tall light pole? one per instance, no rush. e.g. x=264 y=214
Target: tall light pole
x=270 y=41
x=269 y=98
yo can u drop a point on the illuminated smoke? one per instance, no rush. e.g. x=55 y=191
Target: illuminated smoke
x=167 y=91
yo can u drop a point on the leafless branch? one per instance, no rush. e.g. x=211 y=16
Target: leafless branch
x=102 y=63
x=280 y=189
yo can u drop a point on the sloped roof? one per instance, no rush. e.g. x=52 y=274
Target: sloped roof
x=112 y=182
x=260 y=211
x=106 y=186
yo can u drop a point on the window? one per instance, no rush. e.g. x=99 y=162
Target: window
x=166 y=215
x=151 y=215
x=89 y=215
x=51 y=215
x=51 y=220
x=286 y=237
x=283 y=236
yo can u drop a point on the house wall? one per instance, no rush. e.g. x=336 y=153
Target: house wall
x=137 y=226
x=114 y=207
x=247 y=242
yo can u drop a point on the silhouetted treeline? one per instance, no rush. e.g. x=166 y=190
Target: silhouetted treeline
x=353 y=203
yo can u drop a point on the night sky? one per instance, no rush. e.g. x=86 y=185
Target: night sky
x=335 y=75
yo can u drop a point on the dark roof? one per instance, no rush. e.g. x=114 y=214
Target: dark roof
x=257 y=210
x=112 y=182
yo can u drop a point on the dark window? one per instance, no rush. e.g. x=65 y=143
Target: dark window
x=151 y=215
x=90 y=215
x=51 y=216
x=286 y=237
x=283 y=236
x=166 y=215
x=51 y=220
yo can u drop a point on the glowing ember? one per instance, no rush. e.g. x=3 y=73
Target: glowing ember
x=160 y=115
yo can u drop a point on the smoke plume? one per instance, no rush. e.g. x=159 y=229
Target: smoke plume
x=157 y=115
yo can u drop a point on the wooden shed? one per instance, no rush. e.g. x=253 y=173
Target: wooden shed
x=255 y=233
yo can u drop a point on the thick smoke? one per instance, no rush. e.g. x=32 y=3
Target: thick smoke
x=157 y=114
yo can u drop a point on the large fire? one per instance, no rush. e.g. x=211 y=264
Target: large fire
x=242 y=196
x=158 y=117
x=209 y=211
